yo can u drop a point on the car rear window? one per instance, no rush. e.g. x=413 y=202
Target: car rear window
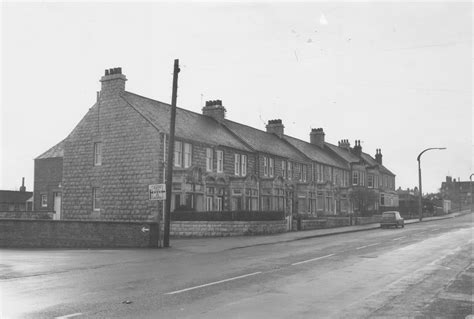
x=388 y=215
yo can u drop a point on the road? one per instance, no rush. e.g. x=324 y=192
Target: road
x=377 y=273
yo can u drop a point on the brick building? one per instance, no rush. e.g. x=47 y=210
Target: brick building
x=103 y=168
x=458 y=192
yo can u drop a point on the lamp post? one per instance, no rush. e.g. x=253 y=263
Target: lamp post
x=470 y=189
x=420 y=201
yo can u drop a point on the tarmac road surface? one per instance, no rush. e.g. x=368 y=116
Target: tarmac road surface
x=375 y=273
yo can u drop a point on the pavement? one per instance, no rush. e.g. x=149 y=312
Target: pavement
x=216 y=244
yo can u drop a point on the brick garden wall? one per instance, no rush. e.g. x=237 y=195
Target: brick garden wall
x=27 y=214
x=76 y=234
x=226 y=228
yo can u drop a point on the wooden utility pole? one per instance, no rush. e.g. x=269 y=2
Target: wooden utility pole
x=169 y=170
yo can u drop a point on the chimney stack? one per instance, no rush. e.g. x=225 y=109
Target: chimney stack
x=23 y=188
x=215 y=110
x=449 y=179
x=345 y=144
x=357 y=150
x=275 y=127
x=316 y=137
x=113 y=83
x=378 y=156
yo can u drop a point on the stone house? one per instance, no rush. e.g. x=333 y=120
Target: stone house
x=102 y=170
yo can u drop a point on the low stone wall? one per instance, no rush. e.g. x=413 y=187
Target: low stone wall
x=27 y=215
x=226 y=228
x=76 y=234
x=368 y=220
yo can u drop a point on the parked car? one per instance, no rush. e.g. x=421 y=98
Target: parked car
x=392 y=218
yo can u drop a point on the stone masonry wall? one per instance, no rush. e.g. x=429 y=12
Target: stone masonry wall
x=226 y=228
x=131 y=152
x=48 y=177
x=84 y=234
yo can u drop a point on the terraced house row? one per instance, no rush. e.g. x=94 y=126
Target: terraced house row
x=103 y=168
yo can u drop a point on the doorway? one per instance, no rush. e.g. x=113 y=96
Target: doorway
x=57 y=205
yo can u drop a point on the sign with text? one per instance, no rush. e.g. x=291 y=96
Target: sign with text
x=157 y=191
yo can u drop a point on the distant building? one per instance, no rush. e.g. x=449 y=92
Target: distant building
x=103 y=169
x=18 y=201
x=408 y=201
x=458 y=192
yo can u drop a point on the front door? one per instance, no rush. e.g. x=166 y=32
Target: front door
x=57 y=206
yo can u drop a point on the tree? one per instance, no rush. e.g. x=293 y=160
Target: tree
x=363 y=199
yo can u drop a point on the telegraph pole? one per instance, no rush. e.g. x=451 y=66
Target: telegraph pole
x=169 y=170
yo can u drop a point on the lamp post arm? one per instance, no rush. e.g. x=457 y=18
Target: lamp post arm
x=431 y=148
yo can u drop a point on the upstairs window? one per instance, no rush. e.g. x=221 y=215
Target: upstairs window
x=187 y=155
x=272 y=167
x=237 y=164
x=244 y=165
x=283 y=169
x=370 y=181
x=265 y=166
x=290 y=170
x=178 y=154
x=97 y=154
x=304 y=173
x=355 y=178
x=209 y=159
x=220 y=161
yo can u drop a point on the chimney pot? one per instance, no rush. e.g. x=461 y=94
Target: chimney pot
x=113 y=82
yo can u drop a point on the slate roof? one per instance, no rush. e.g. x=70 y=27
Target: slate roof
x=55 y=151
x=265 y=142
x=189 y=125
x=371 y=161
x=14 y=196
x=315 y=153
x=345 y=154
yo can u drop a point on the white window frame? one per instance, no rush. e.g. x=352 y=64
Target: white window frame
x=355 y=177
x=209 y=159
x=290 y=170
x=237 y=164
x=209 y=203
x=96 y=199
x=243 y=170
x=370 y=181
x=97 y=153
x=265 y=166
x=188 y=155
x=220 y=161
x=283 y=169
x=271 y=164
x=178 y=154
x=304 y=172
x=44 y=200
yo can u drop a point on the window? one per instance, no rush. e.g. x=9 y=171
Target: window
x=304 y=173
x=96 y=194
x=209 y=203
x=283 y=169
x=265 y=166
x=290 y=170
x=178 y=153
x=209 y=159
x=237 y=164
x=97 y=154
x=187 y=155
x=320 y=201
x=44 y=200
x=382 y=199
x=370 y=181
x=220 y=161
x=355 y=178
x=244 y=165
x=219 y=203
x=272 y=168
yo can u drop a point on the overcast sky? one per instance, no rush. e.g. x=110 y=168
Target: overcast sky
x=397 y=76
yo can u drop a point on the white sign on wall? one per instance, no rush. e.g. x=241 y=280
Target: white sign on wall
x=157 y=191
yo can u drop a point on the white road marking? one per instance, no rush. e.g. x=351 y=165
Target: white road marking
x=212 y=283
x=398 y=238
x=69 y=316
x=368 y=246
x=313 y=259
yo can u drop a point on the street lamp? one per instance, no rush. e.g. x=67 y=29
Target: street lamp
x=470 y=189
x=420 y=207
